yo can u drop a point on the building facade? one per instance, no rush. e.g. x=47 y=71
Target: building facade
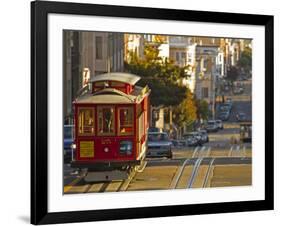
x=208 y=72
x=183 y=54
x=87 y=54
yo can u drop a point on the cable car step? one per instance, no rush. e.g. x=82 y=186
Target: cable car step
x=106 y=176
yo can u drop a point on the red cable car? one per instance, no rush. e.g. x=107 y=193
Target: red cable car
x=111 y=124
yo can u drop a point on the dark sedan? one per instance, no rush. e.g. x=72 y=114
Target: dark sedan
x=159 y=145
x=241 y=117
x=67 y=142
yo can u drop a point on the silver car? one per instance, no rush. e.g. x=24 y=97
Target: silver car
x=220 y=124
x=159 y=145
x=204 y=135
x=212 y=126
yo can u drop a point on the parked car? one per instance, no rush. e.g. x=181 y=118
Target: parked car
x=204 y=135
x=238 y=90
x=229 y=102
x=153 y=129
x=179 y=143
x=159 y=145
x=220 y=124
x=241 y=117
x=67 y=142
x=199 y=137
x=225 y=106
x=228 y=99
x=224 y=115
x=212 y=126
x=193 y=138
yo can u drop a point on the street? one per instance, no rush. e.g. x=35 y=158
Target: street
x=197 y=168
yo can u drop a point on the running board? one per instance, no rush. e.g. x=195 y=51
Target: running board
x=106 y=176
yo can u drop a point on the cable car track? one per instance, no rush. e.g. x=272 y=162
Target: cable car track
x=178 y=177
x=190 y=173
x=208 y=173
x=194 y=173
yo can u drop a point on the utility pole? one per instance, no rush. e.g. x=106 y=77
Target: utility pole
x=171 y=119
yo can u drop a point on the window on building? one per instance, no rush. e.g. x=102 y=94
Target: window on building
x=205 y=63
x=106 y=119
x=125 y=122
x=205 y=92
x=86 y=121
x=183 y=56
x=98 y=47
x=177 y=56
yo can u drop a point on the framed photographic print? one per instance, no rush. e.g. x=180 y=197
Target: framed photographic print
x=144 y=112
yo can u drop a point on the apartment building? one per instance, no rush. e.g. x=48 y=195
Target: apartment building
x=87 y=54
x=183 y=54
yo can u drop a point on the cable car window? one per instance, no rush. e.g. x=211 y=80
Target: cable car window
x=125 y=125
x=106 y=120
x=117 y=84
x=101 y=84
x=86 y=121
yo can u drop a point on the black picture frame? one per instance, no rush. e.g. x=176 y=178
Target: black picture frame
x=39 y=111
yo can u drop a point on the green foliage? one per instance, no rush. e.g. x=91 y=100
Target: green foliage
x=232 y=73
x=161 y=75
x=163 y=92
x=245 y=60
x=202 y=109
x=186 y=112
x=164 y=79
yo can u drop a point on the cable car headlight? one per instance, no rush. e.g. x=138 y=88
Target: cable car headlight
x=126 y=147
x=73 y=146
x=106 y=149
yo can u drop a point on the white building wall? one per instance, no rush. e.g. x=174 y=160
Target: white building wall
x=164 y=50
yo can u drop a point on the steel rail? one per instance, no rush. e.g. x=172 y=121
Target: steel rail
x=178 y=175
x=208 y=172
x=194 y=172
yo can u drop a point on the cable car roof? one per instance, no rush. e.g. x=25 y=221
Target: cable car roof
x=114 y=96
x=104 y=99
x=118 y=77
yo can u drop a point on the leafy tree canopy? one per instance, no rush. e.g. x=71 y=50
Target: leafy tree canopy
x=232 y=73
x=161 y=75
x=165 y=81
x=186 y=112
x=202 y=109
x=245 y=60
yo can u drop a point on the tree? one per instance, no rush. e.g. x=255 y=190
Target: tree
x=164 y=79
x=245 y=60
x=232 y=73
x=185 y=113
x=163 y=92
x=161 y=75
x=202 y=109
